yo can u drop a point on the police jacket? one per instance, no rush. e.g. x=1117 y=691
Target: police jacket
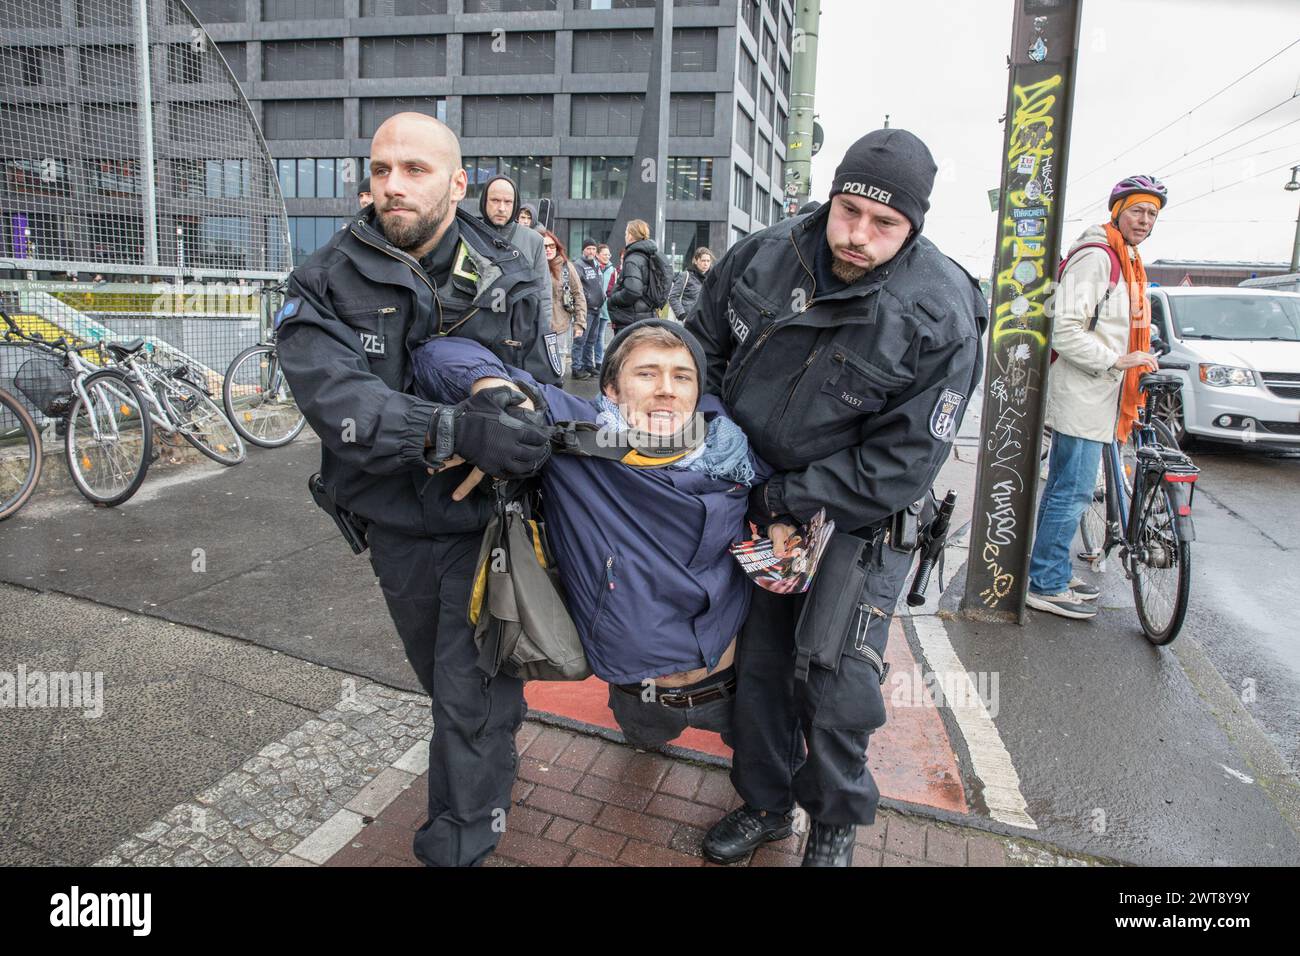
x=353 y=313
x=855 y=396
x=643 y=552
x=628 y=303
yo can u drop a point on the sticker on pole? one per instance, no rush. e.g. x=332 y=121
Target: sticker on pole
x=943 y=420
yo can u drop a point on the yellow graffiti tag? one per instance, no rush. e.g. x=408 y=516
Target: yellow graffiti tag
x=1031 y=136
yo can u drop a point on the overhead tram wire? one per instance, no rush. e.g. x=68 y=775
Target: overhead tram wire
x=1183 y=116
x=1201 y=146
x=1245 y=179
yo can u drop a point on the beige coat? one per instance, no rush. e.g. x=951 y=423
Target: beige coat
x=561 y=319
x=1082 y=388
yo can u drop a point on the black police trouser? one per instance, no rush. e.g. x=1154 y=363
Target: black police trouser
x=806 y=742
x=472 y=760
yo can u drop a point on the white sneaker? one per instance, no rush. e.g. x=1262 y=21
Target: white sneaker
x=1065 y=604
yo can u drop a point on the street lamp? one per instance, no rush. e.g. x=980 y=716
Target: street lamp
x=1291 y=187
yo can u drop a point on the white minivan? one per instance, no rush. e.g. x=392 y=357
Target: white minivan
x=1238 y=353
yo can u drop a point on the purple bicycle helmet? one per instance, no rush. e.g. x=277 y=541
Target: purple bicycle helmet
x=1138 y=184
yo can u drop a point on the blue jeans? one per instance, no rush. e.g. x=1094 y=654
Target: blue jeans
x=590 y=349
x=1071 y=480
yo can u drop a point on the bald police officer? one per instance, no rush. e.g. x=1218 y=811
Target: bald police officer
x=846 y=345
x=410 y=267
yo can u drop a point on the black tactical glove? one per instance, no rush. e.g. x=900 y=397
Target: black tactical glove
x=767 y=505
x=496 y=436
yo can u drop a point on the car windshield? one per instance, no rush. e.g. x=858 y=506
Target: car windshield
x=1237 y=317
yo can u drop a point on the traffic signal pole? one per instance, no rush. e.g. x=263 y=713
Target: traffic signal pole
x=1044 y=54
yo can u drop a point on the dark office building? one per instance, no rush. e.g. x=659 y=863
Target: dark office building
x=548 y=91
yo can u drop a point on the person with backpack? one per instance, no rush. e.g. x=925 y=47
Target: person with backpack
x=585 y=363
x=687 y=283
x=1101 y=334
x=643 y=285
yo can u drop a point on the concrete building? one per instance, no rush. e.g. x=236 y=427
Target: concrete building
x=547 y=91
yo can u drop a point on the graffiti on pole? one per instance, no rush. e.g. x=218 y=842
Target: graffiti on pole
x=1020 y=334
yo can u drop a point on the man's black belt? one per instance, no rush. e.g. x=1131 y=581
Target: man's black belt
x=680 y=700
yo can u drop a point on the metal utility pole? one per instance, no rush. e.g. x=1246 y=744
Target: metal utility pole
x=647 y=180
x=1040 y=99
x=1291 y=187
x=803 y=84
x=148 y=181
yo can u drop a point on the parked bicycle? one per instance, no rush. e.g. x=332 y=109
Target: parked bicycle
x=100 y=413
x=20 y=454
x=258 y=400
x=1143 y=508
x=178 y=402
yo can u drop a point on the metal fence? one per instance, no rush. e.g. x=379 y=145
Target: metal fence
x=127 y=148
x=202 y=324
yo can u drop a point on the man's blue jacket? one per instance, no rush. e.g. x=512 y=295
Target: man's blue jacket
x=642 y=552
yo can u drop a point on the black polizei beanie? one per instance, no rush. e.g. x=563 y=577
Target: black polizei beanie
x=890 y=166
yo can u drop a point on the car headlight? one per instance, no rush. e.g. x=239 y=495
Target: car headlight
x=1224 y=376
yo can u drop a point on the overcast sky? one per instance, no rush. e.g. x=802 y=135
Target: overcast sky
x=938 y=67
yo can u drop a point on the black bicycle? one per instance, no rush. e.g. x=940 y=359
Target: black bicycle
x=1143 y=508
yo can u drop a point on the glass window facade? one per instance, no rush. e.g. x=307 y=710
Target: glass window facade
x=309 y=233
x=690 y=178
x=532 y=174
x=681 y=239
x=743 y=195
x=580 y=229
x=319 y=178
x=598 y=177
x=507 y=116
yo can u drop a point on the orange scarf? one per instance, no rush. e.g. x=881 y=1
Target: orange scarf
x=1139 y=329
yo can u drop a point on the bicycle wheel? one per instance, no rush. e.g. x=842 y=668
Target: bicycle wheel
x=258 y=401
x=20 y=455
x=200 y=421
x=1092 y=526
x=1162 y=569
x=108 y=468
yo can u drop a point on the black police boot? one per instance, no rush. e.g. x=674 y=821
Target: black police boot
x=743 y=829
x=829 y=845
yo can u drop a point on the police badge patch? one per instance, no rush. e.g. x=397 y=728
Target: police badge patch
x=287 y=311
x=553 y=352
x=943 y=420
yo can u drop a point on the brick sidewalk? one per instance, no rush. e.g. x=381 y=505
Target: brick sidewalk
x=584 y=801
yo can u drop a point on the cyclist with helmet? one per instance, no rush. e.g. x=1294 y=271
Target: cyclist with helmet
x=1101 y=332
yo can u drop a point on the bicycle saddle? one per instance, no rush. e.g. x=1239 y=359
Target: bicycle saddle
x=123 y=349
x=1155 y=380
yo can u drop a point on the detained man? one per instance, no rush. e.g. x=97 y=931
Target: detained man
x=641 y=542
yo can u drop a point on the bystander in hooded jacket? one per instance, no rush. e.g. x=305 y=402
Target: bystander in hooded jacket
x=529 y=241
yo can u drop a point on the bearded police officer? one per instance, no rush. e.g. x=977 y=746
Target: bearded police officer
x=846 y=345
x=408 y=268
